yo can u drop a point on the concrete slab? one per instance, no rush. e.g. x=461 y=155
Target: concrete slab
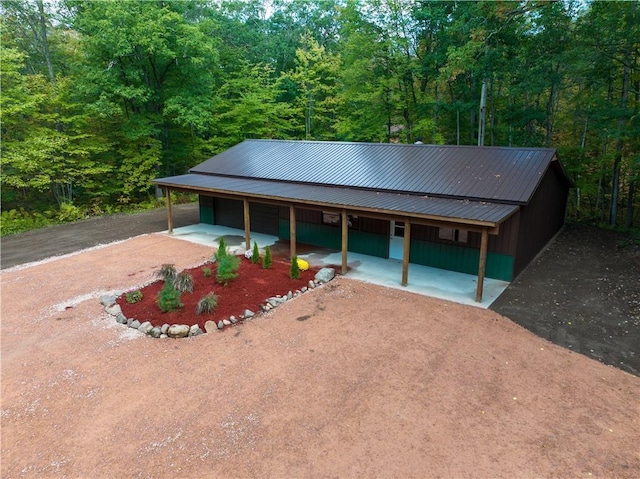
x=438 y=283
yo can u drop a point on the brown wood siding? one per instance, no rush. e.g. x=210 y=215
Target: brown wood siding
x=264 y=218
x=541 y=219
x=228 y=212
x=373 y=225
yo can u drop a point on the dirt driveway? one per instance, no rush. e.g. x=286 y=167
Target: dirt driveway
x=376 y=383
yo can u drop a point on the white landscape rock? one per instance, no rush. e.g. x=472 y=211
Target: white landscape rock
x=325 y=275
x=210 y=326
x=114 y=310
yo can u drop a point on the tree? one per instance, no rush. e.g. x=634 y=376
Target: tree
x=313 y=86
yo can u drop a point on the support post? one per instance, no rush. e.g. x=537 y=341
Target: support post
x=482 y=264
x=167 y=195
x=345 y=240
x=292 y=228
x=247 y=224
x=406 y=250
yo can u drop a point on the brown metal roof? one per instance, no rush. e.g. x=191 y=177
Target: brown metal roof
x=495 y=174
x=410 y=205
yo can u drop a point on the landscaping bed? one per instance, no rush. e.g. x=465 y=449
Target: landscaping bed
x=248 y=291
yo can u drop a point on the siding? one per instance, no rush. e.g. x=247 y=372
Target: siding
x=541 y=219
x=206 y=209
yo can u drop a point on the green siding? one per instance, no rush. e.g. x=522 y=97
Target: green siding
x=461 y=259
x=318 y=235
x=331 y=237
x=206 y=215
x=369 y=243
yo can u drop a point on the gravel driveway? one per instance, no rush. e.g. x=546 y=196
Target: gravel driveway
x=375 y=383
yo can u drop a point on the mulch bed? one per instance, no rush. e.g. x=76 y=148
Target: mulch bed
x=249 y=290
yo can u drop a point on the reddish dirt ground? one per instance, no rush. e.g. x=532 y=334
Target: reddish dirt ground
x=348 y=380
x=249 y=290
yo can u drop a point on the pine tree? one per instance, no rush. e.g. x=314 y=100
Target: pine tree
x=294 y=272
x=266 y=261
x=255 y=257
x=168 y=298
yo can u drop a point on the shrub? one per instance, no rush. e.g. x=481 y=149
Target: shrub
x=206 y=272
x=184 y=282
x=221 y=252
x=167 y=272
x=168 y=298
x=133 y=296
x=266 y=261
x=255 y=257
x=294 y=272
x=207 y=304
x=227 y=267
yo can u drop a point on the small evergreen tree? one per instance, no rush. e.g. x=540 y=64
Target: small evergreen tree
x=294 y=272
x=266 y=261
x=255 y=257
x=168 y=298
x=227 y=267
x=222 y=250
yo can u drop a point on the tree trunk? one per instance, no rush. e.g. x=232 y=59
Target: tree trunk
x=45 y=43
x=483 y=113
x=615 y=182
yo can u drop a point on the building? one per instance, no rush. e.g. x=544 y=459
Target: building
x=479 y=210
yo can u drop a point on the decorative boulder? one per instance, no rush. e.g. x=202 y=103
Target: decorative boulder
x=178 y=331
x=325 y=275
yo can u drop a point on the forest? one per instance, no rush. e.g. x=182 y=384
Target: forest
x=100 y=97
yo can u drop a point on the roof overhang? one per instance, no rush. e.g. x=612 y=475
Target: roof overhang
x=477 y=214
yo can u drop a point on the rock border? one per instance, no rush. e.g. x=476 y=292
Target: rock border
x=177 y=331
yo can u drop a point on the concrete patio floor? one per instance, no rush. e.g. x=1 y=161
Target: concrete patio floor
x=438 y=283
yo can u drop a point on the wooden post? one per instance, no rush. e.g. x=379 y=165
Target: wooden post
x=247 y=224
x=483 y=263
x=406 y=250
x=292 y=228
x=167 y=195
x=345 y=240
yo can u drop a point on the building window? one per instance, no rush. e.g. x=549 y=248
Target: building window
x=330 y=218
x=335 y=219
x=453 y=234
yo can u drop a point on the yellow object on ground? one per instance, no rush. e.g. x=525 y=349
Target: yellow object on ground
x=303 y=265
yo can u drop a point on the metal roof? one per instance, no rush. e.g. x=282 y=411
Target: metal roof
x=496 y=174
x=410 y=205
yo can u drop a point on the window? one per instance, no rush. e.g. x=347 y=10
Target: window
x=335 y=219
x=453 y=234
x=330 y=218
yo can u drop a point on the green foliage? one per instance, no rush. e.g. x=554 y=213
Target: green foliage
x=168 y=298
x=227 y=267
x=255 y=257
x=183 y=282
x=266 y=261
x=206 y=271
x=294 y=272
x=14 y=221
x=207 y=304
x=100 y=97
x=133 y=296
x=167 y=272
x=221 y=252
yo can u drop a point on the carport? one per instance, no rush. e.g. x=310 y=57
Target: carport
x=483 y=218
